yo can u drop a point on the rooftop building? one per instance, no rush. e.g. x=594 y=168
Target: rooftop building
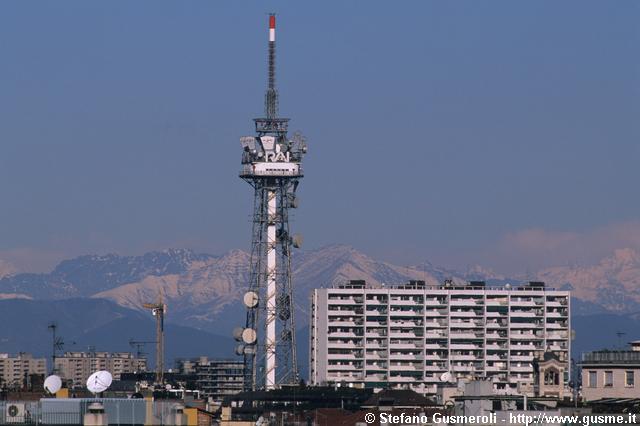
x=417 y=336
x=215 y=378
x=611 y=373
x=14 y=370
x=78 y=366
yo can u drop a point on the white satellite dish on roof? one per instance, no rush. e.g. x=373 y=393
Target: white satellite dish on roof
x=99 y=381
x=52 y=384
x=446 y=377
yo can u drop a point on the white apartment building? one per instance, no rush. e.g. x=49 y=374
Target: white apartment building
x=78 y=366
x=15 y=369
x=408 y=337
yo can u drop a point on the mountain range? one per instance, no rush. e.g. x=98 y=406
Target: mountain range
x=100 y=294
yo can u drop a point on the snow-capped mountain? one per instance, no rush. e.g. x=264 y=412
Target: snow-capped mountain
x=204 y=291
x=613 y=283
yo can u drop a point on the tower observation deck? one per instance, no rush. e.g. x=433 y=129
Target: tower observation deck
x=272 y=165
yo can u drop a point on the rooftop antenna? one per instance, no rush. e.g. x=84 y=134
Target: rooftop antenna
x=271 y=95
x=620 y=335
x=158 y=310
x=57 y=344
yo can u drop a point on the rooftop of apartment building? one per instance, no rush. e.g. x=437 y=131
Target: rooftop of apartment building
x=628 y=356
x=21 y=355
x=97 y=355
x=448 y=285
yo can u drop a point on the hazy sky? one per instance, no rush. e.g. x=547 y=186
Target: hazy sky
x=496 y=132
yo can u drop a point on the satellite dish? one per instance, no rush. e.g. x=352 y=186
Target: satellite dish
x=446 y=377
x=239 y=349
x=249 y=336
x=99 y=381
x=296 y=240
x=168 y=387
x=250 y=299
x=237 y=333
x=294 y=202
x=52 y=384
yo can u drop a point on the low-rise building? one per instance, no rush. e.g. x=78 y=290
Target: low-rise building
x=78 y=366
x=15 y=369
x=611 y=373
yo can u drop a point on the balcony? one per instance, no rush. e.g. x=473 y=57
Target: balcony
x=343 y=334
x=375 y=377
x=345 y=323
x=496 y=346
x=436 y=367
x=344 y=356
x=435 y=346
x=465 y=314
x=404 y=313
x=493 y=368
x=406 y=344
x=435 y=357
x=523 y=347
x=527 y=358
x=524 y=325
x=404 y=379
x=456 y=334
x=344 y=344
x=526 y=302
x=344 y=312
x=331 y=368
x=556 y=325
x=346 y=301
x=435 y=334
x=400 y=302
x=524 y=336
x=496 y=357
x=466 y=346
x=465 y=302
x=525 y=314
x=405 y=357
x=521 y=369
x=466 y=357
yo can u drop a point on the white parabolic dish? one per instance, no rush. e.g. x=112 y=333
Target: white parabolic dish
x=99 y=381
x=52 y=384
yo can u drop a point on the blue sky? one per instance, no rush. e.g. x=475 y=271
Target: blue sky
x=437 y=130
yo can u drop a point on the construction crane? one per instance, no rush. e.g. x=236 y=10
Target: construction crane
x=158 y=310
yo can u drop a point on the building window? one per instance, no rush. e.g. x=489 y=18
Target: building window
x=629 y=379
x=608 y=379
x=552 y=378
x=593 y=379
